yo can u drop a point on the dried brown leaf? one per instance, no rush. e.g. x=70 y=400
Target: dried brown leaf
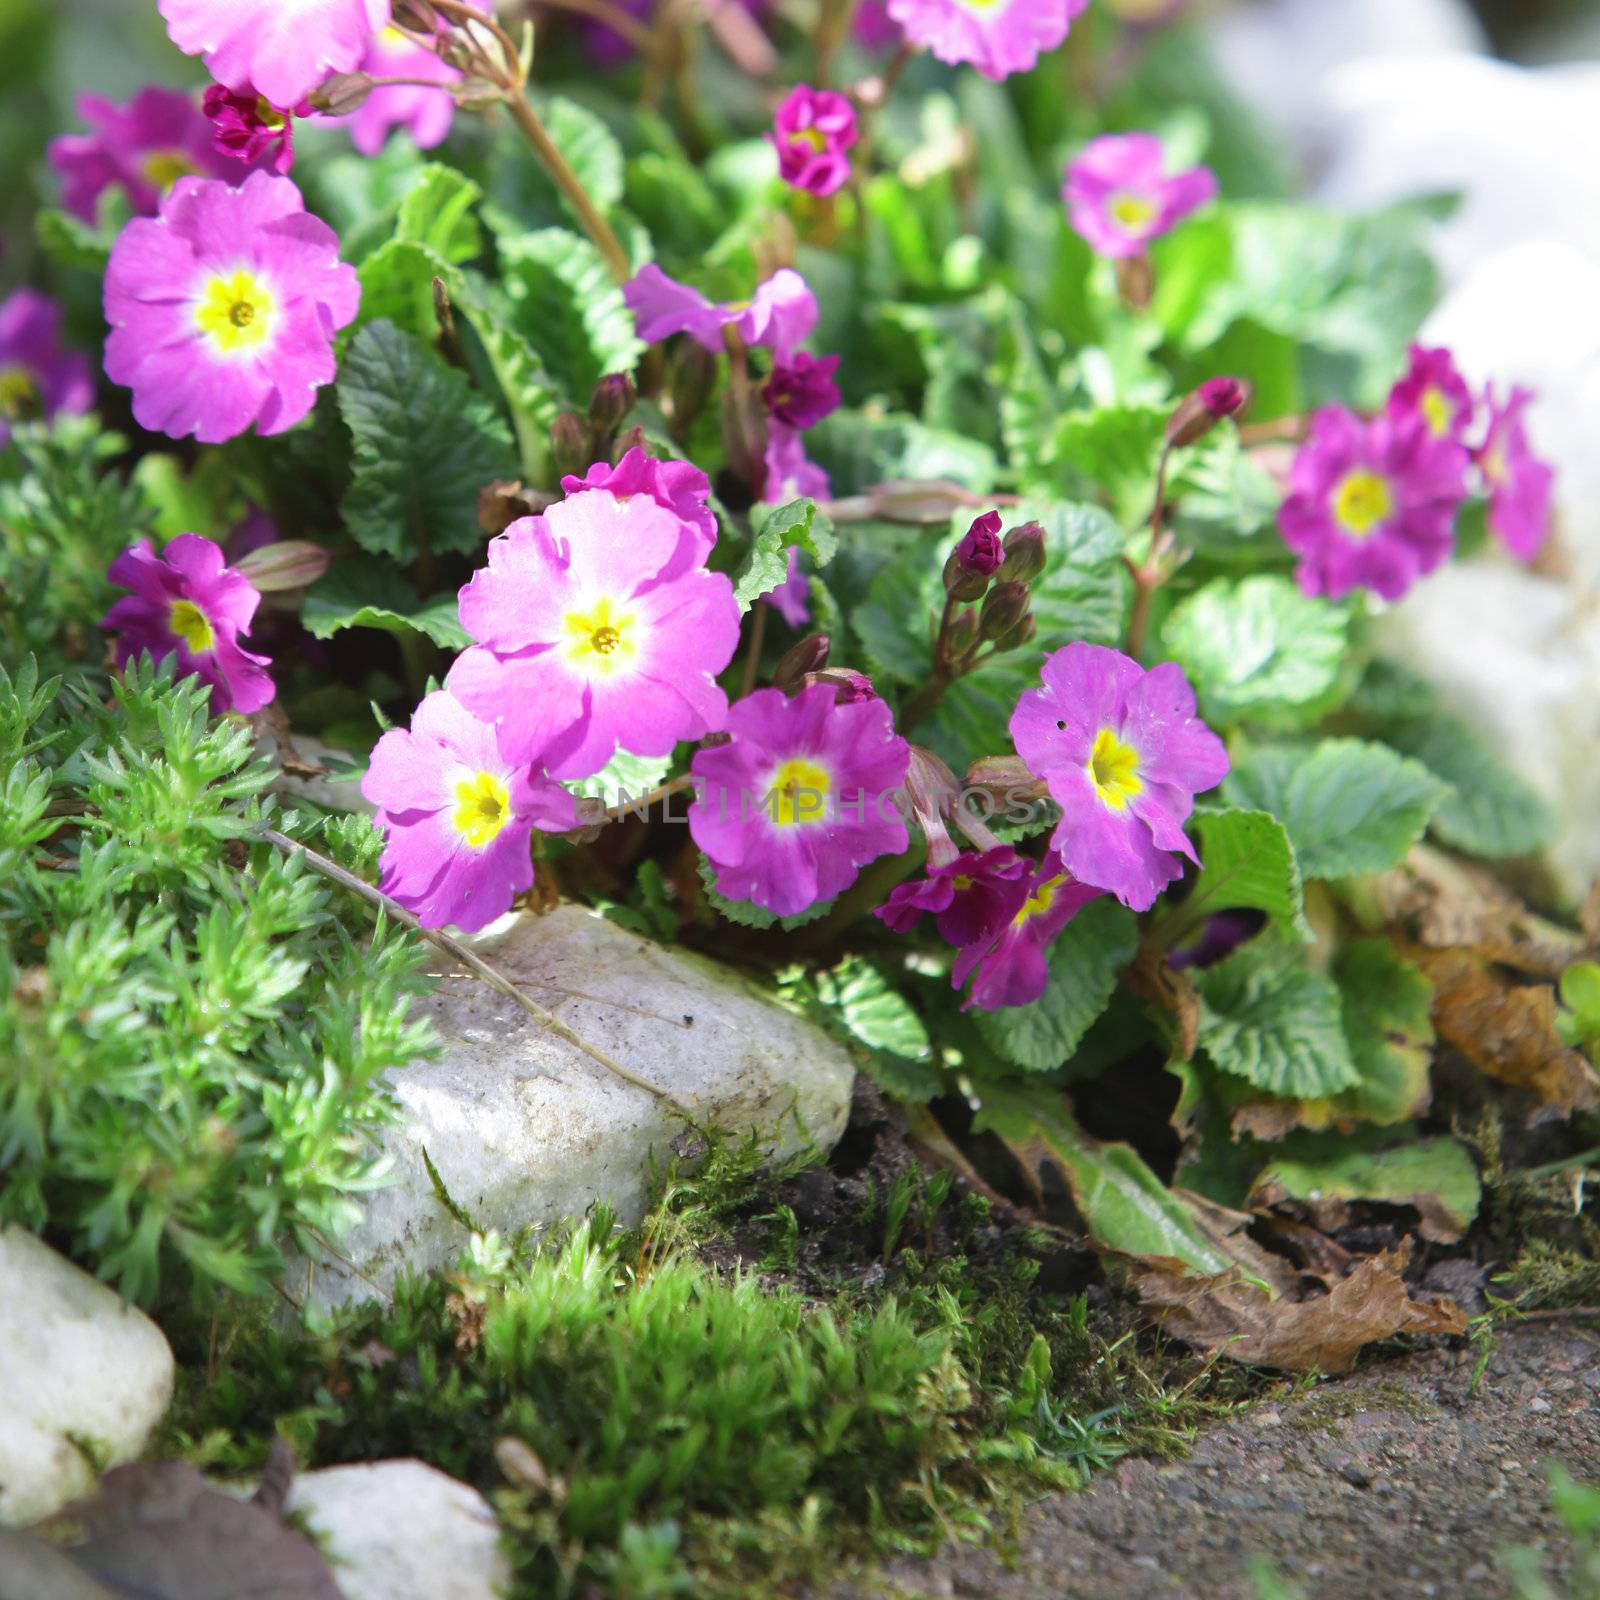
x=1507 y=1031
x=1236 y=1319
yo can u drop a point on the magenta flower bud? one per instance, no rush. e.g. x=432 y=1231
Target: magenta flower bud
x=250 y=128
x=849 y=687
x=1215 y=400
x=610 y=402
x=691 y=381
x=1004 y=609
x=801 y=390
x=1024 y=633
x=980 y=551
x=800 y=660
x=1025 y=554
x=284 y=564
x=813 y=133
x=342 y=95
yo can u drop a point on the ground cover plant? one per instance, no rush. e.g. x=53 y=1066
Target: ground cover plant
x=896 y=497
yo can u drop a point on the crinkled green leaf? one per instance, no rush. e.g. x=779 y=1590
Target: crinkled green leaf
x=1489 y=810
x=1258 y=650
x=424 y=445
x=1350 y=806
x=778 y=529
x=873 y=1011
x=1084 y=962
x=745 y=914
x=1247 y=864
x=362 y=592
x=1388 y=1022
x=1276 y=1024
x=437 y=212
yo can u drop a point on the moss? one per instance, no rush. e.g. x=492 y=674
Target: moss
x=714 y=1404
x=1321 y=1411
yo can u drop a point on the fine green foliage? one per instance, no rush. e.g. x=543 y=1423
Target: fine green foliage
x=193 y=1043
x=424 y=445
x=777 y=530
x=1348 y=805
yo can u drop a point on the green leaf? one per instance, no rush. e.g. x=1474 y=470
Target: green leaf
x=1276 y=1024
x=424 y=445
x=1350 y=807
x=1437 y=1176
x=744 y=914
x=1489 y=811
x=1126 y=1206
x=70 y=242
x=1580 y=994
x=437 y=213
x=1257 y=650
x=624 y=777
x=1084 y=962
x=1388 y=1022
x=397 y=286
x=872 y=1012
x=363 y=592
x=1248 y=864
x=564 y=302
x=777 y=530
x=589 y=148
x=1082 y=594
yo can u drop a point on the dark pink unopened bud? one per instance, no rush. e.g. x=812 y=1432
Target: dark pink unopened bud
x=801 y=660
x=1026 y=554
x=248 y=127
x=801 y=390
x=284 y=564
x=1215 y=400
x=981 y=551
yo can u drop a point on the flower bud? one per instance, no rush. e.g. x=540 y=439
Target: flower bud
x=1004 y=610
x=1025 y=632
x=1201 y=411
x=610 y=402
x=416 y=15
x=569 y=444
x=961 y=635
x=810 y=655
x=691 y=381
x=506 y=501
x=962 y=586
x=1025 y=554
x=849 y=686
x=980 y=550
x=342 y=94
x=284 y=564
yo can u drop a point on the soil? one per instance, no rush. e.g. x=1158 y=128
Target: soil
x=1404 y=1481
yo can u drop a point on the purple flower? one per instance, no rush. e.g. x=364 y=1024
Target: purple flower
x=1436 y=393
x=998 y=37
x=223 y=309
x=801 y=390
x=597 y=631
x=1012 y=969
x=249 y=129
x=791 y=475
x=1124 y=755
x=678 y=486
x=791 y=599
x=610 y=49
x=972 y=899
x=801 y=798
x=981 y=551
x=1520 y=484
x=458 y=816
x=142 y=147
x=1119 y=196
x=38 y=378
x=813 y=133
x=285 y=48
x=780 y=316
x=189 y=602
x=1371 y=504
x=425 y=114
x=872 y=28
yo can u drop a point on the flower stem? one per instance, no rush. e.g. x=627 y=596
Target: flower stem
x=1150 y=574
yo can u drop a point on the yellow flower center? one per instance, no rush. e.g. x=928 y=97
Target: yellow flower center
x=1437 y=410
x=1114 y=770
x=163 y=168
x=188 y=622
x=483 y=808
x=799 y=794
x=1362 y=502
x=811 y=137
x=603 y=640
x=1133 y=212
x=1041 y=899
x=19 y=394
x=236 y=311
x=1492 y=463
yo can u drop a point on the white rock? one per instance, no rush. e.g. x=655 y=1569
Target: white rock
x=524 y=1129
x=399 y=1530
x=74 y=1364
x=1518 y=656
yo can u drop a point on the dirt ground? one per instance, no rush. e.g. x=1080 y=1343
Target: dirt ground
x=1399 y=1483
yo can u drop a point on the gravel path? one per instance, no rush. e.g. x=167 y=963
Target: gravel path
x=1396 y=1484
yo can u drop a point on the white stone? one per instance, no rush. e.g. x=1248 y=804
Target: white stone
x=523 y=1129
x=75 y=1363
x=1518 y=656
x=400 y=1530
